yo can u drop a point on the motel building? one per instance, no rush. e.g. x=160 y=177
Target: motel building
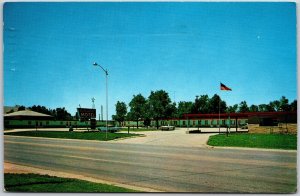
x=255 y=122
x=252 y=122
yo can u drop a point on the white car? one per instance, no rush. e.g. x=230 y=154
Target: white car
x=167 y=128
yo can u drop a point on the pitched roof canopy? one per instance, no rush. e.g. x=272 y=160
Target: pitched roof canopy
x=27 y=113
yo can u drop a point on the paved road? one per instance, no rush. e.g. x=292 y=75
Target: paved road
x=164 y=168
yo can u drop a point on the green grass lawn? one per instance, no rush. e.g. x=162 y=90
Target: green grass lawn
x=271 y=141
x=45 y=183
x=92 y=135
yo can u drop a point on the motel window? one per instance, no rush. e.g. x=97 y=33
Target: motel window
x=194 y=122
x=223 y=122
x=29 y=122
x=206 y=122
x=47 y=122
x=183 y=123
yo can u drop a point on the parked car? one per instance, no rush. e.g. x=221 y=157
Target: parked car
x=244 y=126
x=167 y=128
x=111 y=129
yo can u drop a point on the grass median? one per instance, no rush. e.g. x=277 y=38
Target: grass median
x=88 y=135
x=45 y=183
x=269 y=141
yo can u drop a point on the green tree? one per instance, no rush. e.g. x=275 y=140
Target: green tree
x=171 y=110
x=243 y=107
x=20 y=108
x=121 y=111
x=137 y=108
x=62 y=114
x=214 y=103
x=232 y=109
x=159 y=103
x=204 y=102
x=293 y=106
x=253 y=108
x=196 y=106
x=184 y=107
x=275 y=105
x=284 y=104
x=262 y=108
x=147 y=122
x=40 y=109
x=201 y=105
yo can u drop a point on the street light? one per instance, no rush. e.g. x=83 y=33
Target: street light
x=106 y=74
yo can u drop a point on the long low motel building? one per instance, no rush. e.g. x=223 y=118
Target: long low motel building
x=257 y=122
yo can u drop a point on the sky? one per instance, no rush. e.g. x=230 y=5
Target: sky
x=184 y=48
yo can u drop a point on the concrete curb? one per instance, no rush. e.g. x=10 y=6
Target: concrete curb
x=252 y=149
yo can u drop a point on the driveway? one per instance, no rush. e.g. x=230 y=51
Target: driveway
x=178 y=137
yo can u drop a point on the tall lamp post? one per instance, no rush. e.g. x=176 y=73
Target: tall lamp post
x=106 y=74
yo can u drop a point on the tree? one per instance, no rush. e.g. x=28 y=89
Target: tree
x=214 y=103
x=196 y=106
x=171 y=110
x=40 y=109
x=243 y=107
x=253 y=108
x=20 y=108
x=121 y=111
x=147 y=121
x=232 y=109
x=284 y=104
x=262 y=108
x=201 y=104
x=275 y=105
x=159 y=102
x=293 y=106
x=77 y=116
x=137 y=108
x=184 y=108
x=62 y=114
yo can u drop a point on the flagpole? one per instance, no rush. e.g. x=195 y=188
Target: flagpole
x=219 y=108
x=222 y=87
x=219 y=111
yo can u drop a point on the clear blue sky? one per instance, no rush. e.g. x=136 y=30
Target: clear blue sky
x=186 y=49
